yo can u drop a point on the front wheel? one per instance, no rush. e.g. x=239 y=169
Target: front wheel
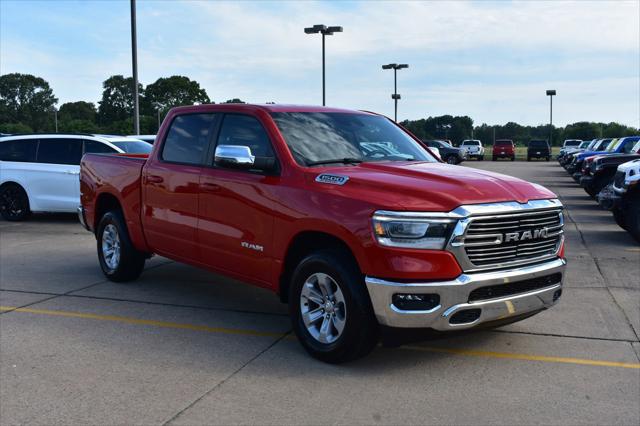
x=330 y=308
x=513 y=158
x=632 y=218
x=452 y=159
x=119 y=259
x=618 y=216
x=14 y=203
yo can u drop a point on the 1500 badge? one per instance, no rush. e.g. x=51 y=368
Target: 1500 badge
x=332 y=179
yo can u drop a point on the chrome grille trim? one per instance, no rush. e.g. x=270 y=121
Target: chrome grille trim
x=478 y=241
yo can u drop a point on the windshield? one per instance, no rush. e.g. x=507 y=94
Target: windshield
x=133 y=147
x=572 y=142
x=584 y=145
x=614 y=145
x=604 y=145
x=321 y=137
x=636 y=148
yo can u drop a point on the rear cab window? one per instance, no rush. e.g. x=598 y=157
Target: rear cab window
x=471 y=143
x=19 y=150
x=188 y=138
x=504 y=143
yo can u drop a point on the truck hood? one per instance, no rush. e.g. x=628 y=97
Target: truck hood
x=424 y=186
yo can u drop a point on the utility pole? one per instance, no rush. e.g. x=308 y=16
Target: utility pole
x=134 y=60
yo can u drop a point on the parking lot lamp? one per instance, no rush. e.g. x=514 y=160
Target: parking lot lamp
x=325 y=31
x=551 y=94
x=395 y=96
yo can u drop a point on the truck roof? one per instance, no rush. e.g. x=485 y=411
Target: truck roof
x=265 y=107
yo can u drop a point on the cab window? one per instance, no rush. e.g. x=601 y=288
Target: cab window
x=95 y=147
x=244 y=130
x=188 y=138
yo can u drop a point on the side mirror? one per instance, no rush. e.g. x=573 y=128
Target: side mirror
x=234 y=156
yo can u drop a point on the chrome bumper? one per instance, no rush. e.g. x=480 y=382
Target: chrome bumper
x=81 y=218
x=454 y=296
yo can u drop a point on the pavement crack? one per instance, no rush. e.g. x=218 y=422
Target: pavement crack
x=568 y=336
x=226 y=379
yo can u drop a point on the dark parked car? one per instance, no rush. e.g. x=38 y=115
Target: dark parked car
x=448 y=153
x=598 y=171
x=538 y=149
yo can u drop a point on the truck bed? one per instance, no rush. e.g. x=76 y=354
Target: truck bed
x=102 y=174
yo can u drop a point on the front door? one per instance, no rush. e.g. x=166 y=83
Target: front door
x=235 y=231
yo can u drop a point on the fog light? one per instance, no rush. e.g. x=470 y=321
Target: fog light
x=557 y=295
x=415 y=302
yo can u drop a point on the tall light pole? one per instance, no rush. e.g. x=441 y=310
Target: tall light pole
x=325 y=31
x=134 y=60
x=551 y=94
x=395 y=96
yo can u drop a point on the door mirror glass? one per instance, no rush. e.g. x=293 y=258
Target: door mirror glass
x=234 y=156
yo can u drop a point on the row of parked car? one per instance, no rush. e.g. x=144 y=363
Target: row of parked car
x=609 y=171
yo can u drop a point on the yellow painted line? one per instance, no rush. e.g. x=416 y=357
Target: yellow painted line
x=222 y=330
x=137 y=321
x=525 y=357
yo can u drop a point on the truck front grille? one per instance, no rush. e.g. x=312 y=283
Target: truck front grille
x=508 y=238
x=618 y=179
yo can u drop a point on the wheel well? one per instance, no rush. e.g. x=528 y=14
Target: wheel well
x=302 y=245
x=10 y=183
x=104 y=204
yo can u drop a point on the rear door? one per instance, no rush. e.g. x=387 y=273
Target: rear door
x=54 y=181
x=171 y=183
x=236 y=206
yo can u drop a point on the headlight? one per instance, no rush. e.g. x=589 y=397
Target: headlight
x=406 y=230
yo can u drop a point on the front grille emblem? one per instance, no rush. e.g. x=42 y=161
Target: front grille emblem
x=526 y=235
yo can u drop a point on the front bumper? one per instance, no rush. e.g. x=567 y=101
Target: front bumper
x=586 y=181
x=454 y=298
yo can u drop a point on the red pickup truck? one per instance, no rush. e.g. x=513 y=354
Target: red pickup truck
x=342 y=213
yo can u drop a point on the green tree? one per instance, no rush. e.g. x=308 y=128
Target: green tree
x=77 y=111
x=234 y=101
x=15 y=128
x=26 y=99
x=117 y=100
x=166 y=93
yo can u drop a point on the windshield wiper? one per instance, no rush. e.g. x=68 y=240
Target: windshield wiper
x=347 y=160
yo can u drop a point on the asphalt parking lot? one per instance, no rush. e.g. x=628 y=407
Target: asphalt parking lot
x=182 y=346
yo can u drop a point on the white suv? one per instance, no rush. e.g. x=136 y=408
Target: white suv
x=474 y=148
x=39 y=173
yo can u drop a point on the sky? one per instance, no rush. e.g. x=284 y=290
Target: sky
x=492 y=61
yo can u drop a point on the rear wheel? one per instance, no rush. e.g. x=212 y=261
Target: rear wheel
x=513 y=158
x=528 y=158
x=119 y=259
x=14 y=202
x=330 y=308
x=494 y=158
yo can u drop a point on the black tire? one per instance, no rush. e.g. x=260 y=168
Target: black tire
x=599 y=183
x=618 y=216
x=130 y=261
x=360 y=332
x=632 y=216
x=513 y=158
x=452 y=159
x=14 y=202
x=548 y=158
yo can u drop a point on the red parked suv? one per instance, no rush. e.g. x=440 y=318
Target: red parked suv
x=504 y=148
x=342 y=213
